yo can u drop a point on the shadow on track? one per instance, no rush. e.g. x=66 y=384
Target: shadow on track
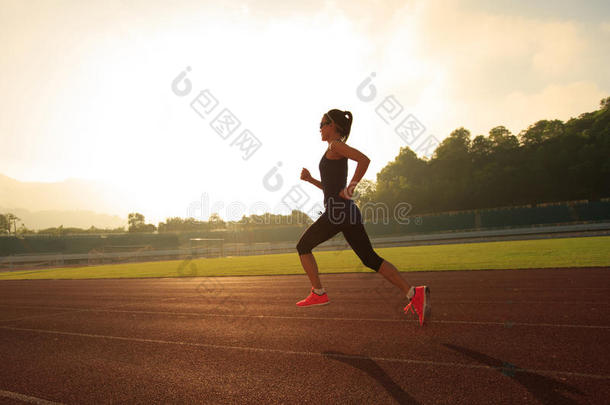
x=371 y=368
x=546 y=390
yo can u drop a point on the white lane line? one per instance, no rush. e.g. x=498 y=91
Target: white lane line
x=26 y=398
x=237 y=298
x=27 y=318
x=68 y=310
x=509 y=324
x=311 y=354
x=506 y=324
x=510 y=301
x=486 y=323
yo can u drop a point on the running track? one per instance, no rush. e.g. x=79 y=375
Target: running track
x=501 y=337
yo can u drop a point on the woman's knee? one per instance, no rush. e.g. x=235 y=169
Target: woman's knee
x=303 y=247
x=372 y=261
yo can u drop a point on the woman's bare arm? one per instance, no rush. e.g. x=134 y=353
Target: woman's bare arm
x=305 y=175
x=353 y=154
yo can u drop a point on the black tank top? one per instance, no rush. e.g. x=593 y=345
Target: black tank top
x=333 y=174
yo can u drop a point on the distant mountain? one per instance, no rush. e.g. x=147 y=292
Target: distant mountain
x=73 y=202
x=53 y=218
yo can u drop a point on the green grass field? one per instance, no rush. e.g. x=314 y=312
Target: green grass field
x=569 y=252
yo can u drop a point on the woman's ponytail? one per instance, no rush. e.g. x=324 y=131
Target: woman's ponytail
x=348 y=125
x=343 y=122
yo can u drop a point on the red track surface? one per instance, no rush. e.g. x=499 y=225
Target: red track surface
x=501 y=337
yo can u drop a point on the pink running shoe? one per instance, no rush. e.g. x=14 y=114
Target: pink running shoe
x=420 y=303
x=313 y=300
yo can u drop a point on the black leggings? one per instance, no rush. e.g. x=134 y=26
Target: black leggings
x=354 y=233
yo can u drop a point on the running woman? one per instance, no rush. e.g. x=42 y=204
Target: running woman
x=343 y=215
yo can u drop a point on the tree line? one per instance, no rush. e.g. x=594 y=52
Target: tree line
x=8 y=226
x=177 y=224
x=550 y=161
x=137 y=224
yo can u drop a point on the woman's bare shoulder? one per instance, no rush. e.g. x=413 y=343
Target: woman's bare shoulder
x=331 y=152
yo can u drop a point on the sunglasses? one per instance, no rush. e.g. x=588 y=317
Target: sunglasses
x=324 y=123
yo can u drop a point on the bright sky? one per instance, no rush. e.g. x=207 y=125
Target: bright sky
x=86 y=87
